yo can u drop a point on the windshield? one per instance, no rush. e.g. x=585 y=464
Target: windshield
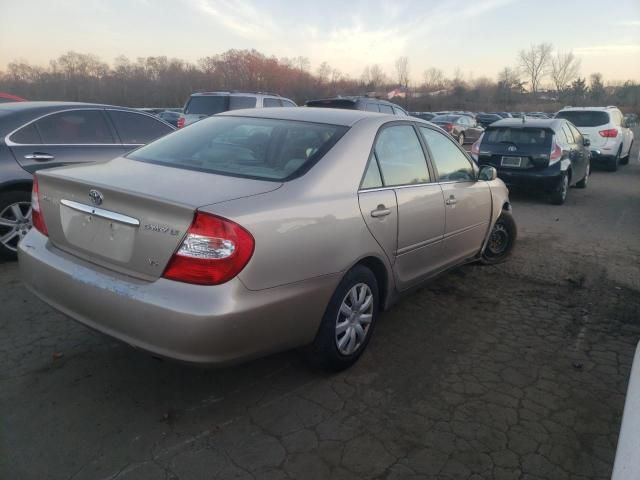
x=260 y=148
x=518 y=136
x=585 y=118
x=344 y=104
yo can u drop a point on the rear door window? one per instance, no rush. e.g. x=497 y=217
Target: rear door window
x=27 y=135
x=401 y=158
x=271 y=102
x=288 y=103
x=585 y=118
x=372 y=107
x=238 y=103
x=76 y=127
x=207 y=105
x=385 y=108
x=450 y=162
x=137 y=129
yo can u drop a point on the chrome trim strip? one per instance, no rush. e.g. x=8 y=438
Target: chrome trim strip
x=10 y=143
x=415 y=246
x=100 y=212
x=463 y=230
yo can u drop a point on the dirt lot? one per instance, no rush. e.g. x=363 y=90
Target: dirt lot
x=515 y=371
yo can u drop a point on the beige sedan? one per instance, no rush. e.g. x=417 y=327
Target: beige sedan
x=258 y=231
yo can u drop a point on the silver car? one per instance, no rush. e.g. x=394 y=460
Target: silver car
x=258 y=231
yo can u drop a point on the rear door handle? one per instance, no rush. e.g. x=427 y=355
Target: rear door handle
x=39 y=156
x=381 y=211
x=451 y=200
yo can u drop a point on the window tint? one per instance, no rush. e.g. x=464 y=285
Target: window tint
x=372 y=107
x=372 y=178
x=238 y=103
x=518 y=136
x=287 y=103
x=400 y=155
x=75 y=127
x=385 y=108
x=248 y=147
x=586 y=118
x=450 y=162
x=271 y=102
x=207 y=104
x=137 y=129
x=27 y=135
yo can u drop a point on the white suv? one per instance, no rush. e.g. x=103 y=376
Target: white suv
x=204 y=104
x=605 y=128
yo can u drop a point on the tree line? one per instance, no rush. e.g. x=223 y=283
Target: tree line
x=167 y=82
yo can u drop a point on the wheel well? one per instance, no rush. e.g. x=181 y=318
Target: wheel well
x=377 y=267
x=17 y=187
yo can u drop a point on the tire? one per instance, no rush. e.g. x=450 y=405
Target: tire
x=13 y=227
x=625 y=160
x=583 y=183
x=559 y=196
x=327 y=350
x=615 y=163
x=501 y=241
x=461 y=138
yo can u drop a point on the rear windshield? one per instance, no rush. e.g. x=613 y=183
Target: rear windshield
x=346 y=104
x=585 y=118
x=212 y=104
x=260 y=148
x=445 y=118
x=518 y=136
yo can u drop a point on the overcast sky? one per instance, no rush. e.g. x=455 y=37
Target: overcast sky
x=478 y=36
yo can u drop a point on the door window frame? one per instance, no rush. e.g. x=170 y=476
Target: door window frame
x=372 y=155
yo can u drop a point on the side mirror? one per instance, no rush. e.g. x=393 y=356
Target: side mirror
x=488 y=174
x=586 y=142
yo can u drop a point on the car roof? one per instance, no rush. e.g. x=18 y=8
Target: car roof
x=599 y=109
x=332 y=116
x=354 y=99
x=535 y=123
x=234 y=93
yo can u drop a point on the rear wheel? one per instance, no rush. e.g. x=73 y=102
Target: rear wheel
x=625 y=160
x=559 y=196
x=461 y=139
x=15 y=221
x=348 y=322
x=615 y=162
x=583 y=183
x=501 y=240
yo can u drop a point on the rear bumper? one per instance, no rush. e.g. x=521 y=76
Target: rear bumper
x=543 y=179
x=214 y=325
x=598 y=157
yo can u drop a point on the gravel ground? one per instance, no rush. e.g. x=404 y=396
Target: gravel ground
x=507 y=372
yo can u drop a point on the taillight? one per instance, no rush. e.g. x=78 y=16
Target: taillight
x=609 y=133
x=181 y=121
x=213 y=252
x=556 y=154
x=448 y=127
x=36 y=213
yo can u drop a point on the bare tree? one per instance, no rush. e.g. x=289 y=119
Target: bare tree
x=323 y=72
x=534 y=63
x=597 y=87
x=402 y=69
x=564 y=68
x=433 y=79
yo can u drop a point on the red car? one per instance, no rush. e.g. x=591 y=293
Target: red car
x=7 y=97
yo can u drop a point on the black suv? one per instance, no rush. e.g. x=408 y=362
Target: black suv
x=371 y=104
x=550 y=155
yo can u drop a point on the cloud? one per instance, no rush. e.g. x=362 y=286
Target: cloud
x=239 y=17
x=629 y=23
x=621 y=49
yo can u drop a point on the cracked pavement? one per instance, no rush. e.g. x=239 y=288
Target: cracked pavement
x=517 y=371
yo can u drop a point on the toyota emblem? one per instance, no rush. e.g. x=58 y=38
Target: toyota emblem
x=96 y=197
x=512 y=148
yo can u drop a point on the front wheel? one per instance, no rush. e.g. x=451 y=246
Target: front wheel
x=348 y=322
x=501 y=241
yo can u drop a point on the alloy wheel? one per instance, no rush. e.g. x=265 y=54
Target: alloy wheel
x=15 y=223
x=354 y=319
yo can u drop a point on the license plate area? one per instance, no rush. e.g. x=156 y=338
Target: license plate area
x=511 y=162
x=99 y=236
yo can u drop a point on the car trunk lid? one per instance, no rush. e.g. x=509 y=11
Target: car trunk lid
x=131 y=216
x=516 y=147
